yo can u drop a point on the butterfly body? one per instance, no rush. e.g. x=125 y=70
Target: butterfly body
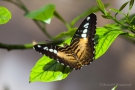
x=81 y=50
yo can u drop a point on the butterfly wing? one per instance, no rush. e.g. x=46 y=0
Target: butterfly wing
x=79 y=52
x=83 y=40
x=63 y=55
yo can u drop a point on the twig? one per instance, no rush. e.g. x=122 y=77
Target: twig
x=20 y=4
x=15 y=47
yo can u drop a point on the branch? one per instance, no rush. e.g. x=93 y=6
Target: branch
x=15 y=47
x=20 y=5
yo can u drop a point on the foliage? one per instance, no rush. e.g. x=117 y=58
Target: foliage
x=114 y=88
x=48 y=70
x=44 y=13
x=5 y=15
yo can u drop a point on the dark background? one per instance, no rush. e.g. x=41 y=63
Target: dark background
x=116 y=66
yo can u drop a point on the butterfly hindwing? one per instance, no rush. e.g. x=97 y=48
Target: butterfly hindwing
x=81 y=49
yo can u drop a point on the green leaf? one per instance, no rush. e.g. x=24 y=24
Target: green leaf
x=131 y=4
x=65 y=35
x=107 y=16
x=5 y=15
x=44 y=13
x=104 y=38
x=59 y=16
x=101 y=6
x=48 y=70
x=122 y=7
x=84 y=14
x=117 y=11
x=114 y=88
x=133 y=20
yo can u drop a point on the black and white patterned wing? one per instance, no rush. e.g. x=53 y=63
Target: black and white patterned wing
x=81 y=50
x=83 y=40
x=62 y=55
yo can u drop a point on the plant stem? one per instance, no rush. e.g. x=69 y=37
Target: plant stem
x=62 y=20
x=15 y=47
x=130 y=35
x=42 y=29
x=20 y=4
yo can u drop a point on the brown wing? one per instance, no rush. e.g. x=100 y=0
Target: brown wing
x=77 y=54
x=83 y=40
x=84 y=51
x=63 y=55
x=80 y=51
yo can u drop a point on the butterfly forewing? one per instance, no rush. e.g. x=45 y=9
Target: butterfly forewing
x=81 y=50
x=83 y=40
x=87 y=28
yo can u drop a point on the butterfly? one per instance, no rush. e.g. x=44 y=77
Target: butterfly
x=81 y=50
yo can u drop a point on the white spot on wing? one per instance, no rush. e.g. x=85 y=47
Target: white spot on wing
x=45 y=48
x=62 y=63
x=55 y=51
x=88 y=18
x=38 y=46
x=74 y=69
x=83 y=35
x=40 y=53
x=77 y=34
x=85 y=31
x=51 y=50
x=86 y=25
x=81 y=68
x=55 y=47
x=58 y=62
